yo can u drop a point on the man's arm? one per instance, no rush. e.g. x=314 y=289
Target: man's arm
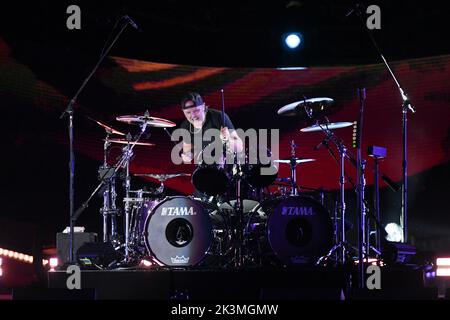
x=187 y=155
x=234 y=142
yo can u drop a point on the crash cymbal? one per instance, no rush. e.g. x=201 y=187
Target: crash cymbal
x=297 y=160
x=150 y=121
x=329 y=126
x=308 y=108
x=162 y=176
x=108 y=129
x=124 y=141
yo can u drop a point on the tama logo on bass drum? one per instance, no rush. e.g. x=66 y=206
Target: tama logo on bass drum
x=297 y=211
x=178 y=211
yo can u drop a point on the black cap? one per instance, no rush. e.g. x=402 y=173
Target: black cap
x=191 y=97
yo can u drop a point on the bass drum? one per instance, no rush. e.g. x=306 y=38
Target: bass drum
x=298 y=229
x=183 y=232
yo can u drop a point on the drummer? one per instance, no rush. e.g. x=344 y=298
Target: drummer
x=199 y=119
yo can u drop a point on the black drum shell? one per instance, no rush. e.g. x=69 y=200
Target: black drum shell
x=204 y=226
x=212 y=180
x=298 y=229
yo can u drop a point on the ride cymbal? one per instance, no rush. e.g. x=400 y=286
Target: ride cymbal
x=307 y=109
x=329 y=126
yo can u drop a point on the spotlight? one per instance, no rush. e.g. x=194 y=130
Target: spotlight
x=443 y=267
x=394 y=232
x=146 y=263
x=53 y=262
x=292 y=40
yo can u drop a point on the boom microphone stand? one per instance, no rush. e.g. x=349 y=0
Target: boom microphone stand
x=363 y=245
x=70 y=112
x=406 y=105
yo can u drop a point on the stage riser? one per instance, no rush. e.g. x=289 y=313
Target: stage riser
x=239 y=285
x=205 y=285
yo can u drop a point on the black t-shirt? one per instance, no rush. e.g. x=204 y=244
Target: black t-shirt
x=213 y=120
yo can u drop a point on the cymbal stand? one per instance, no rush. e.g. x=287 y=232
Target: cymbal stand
x=293 y=164
x=341 y=246
x=123 y=162
x=109 y=208
x=128 y=153
x=239 y=210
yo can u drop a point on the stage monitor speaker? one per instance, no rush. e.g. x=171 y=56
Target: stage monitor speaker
x=63 y=243
x=92 y=255
x=397 y=253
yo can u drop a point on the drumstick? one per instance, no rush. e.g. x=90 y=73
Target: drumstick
x=224 y=147
x=223 y=108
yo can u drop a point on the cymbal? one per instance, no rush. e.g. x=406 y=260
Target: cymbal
x=108 y=129
x=297 y=160
x=162 y=176
x=307 y=109
x=329 y=126
x=150 y=121
x=124 y=141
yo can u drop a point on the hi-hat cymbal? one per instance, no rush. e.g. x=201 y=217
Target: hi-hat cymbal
x=307 y=109
x=329 y=126
x=297 y=160
x=150 y=121
x=162 y=176
x=124 y=141
x=108 y=129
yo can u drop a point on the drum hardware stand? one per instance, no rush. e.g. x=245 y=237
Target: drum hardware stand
x=239 y=211
x=128 y=153
x=239 y=205
x=109 y=196
x=363 y=243
x=294 y=190
x=341 y=247
x=123 y=162
x=406 y=107
x=70 y=111
x=378 y=154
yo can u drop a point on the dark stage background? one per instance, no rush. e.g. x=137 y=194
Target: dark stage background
x=206 y=47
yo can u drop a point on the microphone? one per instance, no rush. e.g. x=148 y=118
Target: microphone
x=322 y=143
x=133 y=24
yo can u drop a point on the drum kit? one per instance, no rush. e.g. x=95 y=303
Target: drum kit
x=238 y=220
